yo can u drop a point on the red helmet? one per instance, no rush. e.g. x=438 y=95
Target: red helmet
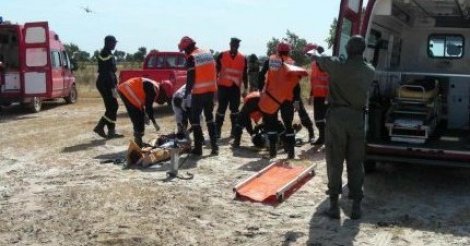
x=185 y=42
x=283 y=47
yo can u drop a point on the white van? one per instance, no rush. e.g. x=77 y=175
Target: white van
x=419 y=108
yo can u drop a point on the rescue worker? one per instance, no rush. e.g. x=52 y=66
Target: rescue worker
x=348 y=88
x=298 y=103
x=138 y=95
x=280 y=91
x=250 y=111
x=201 y=84
x=253 y=72
x=232 y=71
x=318 y=94
x=106 y=84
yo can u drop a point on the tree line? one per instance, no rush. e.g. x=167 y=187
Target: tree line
x=298 y=45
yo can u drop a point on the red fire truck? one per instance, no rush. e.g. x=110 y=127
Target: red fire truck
x=419 y=108
x=34 y=66
x=168 y=68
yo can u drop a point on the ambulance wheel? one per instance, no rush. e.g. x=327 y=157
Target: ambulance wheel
x=73 y=95
x=369 y=166
x=35 y=105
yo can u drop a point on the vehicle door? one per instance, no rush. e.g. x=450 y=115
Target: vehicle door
x=349 y=24
x=37 y=80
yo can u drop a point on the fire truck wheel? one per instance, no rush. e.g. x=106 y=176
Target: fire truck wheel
x=73 y=95
x=35 y=105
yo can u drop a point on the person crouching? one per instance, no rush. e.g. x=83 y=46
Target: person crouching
x=138 y=95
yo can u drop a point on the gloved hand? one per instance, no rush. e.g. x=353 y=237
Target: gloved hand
x=296 y=106
x=114 y=92
x=156 y=126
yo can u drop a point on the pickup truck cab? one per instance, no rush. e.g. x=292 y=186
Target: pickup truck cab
x=419 y=108
x=168 y=68
x=34 y=66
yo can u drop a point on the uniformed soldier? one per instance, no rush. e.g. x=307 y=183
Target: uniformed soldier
x=106 y=84
x=201 y=84
x=232 y=71
x=181 y=111
x=253 y=72
x=138 y=95
x=280 y=91
x=345 y=134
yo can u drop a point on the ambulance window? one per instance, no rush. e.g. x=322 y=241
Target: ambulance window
x=36 y=57
x=445 y=46
x=346 y=30
x=35 y=35
x=65 y=59
x=55 y=59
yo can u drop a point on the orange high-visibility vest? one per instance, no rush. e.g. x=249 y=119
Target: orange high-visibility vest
x=133 y=90
x=205 y=72
x=279 y=85
x=231 y=69
x=318 y=82
x=255 y=115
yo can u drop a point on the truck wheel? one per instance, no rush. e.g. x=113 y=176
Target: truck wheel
x=73 y=95
x=35 y=105
x=370 y=166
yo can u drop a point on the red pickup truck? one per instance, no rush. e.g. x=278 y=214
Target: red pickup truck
x=167 y=68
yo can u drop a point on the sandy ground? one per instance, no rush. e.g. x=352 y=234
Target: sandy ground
x=54 y=191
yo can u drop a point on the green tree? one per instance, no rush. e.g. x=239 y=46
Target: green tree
x=330 y=40
x=298 y=45
x=120 y=55
x=140 y=54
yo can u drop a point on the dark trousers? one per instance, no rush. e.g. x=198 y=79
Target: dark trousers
x=202 y=103
x=305 y=119
x=244 y=119
x=227 y=97
x=319 y=111
x=270 y=121
x=137 y=117
x=110 y=103
x=345 y=142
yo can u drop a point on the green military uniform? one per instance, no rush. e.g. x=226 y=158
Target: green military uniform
x=349 y=84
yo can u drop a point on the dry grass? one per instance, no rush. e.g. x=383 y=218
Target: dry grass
x=86 y=77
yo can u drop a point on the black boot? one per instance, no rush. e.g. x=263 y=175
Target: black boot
x=272 y=145
x=219 y=121
x=99 y=128
x=138 y=139
x=356 y=211
x=112 y=131
x=289 y=145
x=213 y=138
x=198 y=140
x=311 y=133
x=321 y=133
x=333 y=212
x=233 y=120
x=237 y=135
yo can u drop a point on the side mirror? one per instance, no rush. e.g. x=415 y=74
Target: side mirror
x=73 y=65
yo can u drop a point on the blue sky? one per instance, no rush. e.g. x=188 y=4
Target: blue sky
x=160 y=24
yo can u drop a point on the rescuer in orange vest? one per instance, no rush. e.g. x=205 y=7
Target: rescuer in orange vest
x=319 y=92
x=250 y=111
x=138 y=95
x=201 y=83
x=280 y=91
x=232 y=71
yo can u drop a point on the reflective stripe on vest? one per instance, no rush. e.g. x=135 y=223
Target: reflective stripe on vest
x=205 y=72
x=231 y=69
x=318 y=81
x=105 y=58
x=279 y=85
x=133 y=90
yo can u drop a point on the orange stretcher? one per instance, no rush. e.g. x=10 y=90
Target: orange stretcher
x=274 y=183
